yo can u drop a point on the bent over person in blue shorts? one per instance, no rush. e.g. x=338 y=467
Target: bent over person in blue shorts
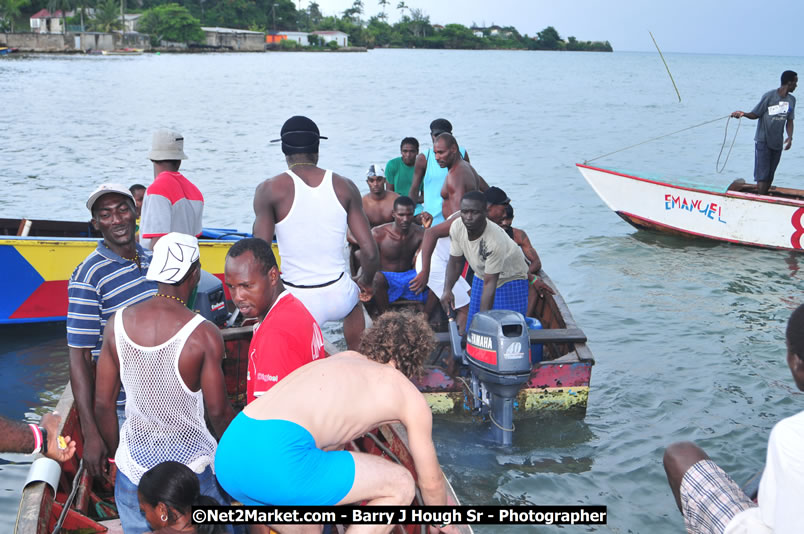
x=299 y=426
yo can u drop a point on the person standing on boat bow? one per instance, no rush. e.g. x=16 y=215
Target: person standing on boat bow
x=169 y=360
x=113 y=275
x=775 y=111
x=310 y=210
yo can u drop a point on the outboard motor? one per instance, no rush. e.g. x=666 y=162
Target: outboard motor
x=210 y=300
x=498 y=355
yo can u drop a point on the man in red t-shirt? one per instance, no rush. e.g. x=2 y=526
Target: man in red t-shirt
x=287 y=336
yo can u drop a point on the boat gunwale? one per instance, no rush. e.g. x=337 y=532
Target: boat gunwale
x=738 y=195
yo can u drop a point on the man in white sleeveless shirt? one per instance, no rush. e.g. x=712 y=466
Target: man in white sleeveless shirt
x=310 y=209
x=169 y=361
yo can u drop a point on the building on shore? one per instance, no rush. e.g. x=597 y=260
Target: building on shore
x=340 y=38
x=43 y=21
x=302 y=38
x=235 y=39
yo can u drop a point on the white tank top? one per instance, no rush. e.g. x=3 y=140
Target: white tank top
x=311 y=237
x=164 y=419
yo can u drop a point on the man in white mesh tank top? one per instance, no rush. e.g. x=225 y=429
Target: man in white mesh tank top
x=310 y=209
x=169 y=361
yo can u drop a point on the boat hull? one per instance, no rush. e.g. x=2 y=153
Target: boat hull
x=34 y=272
x=40 y=507
x=732 y=216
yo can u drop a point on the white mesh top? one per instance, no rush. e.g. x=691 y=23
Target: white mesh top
x=164 y=419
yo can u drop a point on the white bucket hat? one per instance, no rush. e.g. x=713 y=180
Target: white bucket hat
x=167 y=144
x=174 y=254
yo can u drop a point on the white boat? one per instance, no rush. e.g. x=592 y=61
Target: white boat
x=737 y=215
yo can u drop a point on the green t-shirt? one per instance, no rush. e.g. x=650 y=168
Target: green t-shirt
x=399 y=175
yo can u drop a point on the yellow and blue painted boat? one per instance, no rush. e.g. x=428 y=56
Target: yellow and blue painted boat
x=35 y=267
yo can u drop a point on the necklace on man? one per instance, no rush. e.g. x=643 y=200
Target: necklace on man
x=302 y=163
x=171 y=297
x=135 y=259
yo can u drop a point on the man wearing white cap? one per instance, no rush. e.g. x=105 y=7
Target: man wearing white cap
x=172 y=203
x=168 y=358
x=112 y=276
x=379 y=202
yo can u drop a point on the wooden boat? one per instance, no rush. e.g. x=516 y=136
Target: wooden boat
x=38 y=257
x=77 y=503
x=737 y=215
x=559 y=382
x=123 y=52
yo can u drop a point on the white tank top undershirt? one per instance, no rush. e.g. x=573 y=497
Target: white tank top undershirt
x=164 y=419
x=311 y=237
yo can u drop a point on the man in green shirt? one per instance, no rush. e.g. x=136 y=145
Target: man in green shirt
x=399 y=171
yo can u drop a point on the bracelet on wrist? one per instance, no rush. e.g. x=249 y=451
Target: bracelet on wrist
x=38 y=438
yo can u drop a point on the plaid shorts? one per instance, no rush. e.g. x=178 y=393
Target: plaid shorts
x=710 y=498
x=511 y=295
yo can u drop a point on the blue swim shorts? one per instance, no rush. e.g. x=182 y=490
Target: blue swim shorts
x=399 y=286
x=276 y=462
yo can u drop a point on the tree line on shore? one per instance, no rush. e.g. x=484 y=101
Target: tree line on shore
x=181 y=21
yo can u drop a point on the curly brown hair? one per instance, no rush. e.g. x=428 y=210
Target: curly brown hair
x=403 y=337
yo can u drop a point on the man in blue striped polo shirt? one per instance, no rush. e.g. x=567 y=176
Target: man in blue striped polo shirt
x=110 y=278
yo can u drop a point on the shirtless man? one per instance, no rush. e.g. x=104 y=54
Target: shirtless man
x=461 y=177
x=498 y=206
x=398 y=242
x=311 y=236
x=429 y=176
x=379 y=202
x=301 y=441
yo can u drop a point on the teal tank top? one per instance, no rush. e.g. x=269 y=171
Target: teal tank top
x=434 y=177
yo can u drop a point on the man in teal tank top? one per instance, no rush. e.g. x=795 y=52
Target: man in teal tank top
x=428 y=171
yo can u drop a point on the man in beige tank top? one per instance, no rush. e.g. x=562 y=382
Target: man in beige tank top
x=309 y=210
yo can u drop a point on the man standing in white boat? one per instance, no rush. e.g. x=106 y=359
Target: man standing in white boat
x=775 y=111
x=310 y=210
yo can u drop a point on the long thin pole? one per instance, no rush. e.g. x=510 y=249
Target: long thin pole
x=665 y=66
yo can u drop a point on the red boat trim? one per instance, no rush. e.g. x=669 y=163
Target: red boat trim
x=728 y=194
x=707 y=236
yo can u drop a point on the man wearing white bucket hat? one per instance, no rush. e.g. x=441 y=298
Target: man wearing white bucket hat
x=169 y=361
x=172 y=203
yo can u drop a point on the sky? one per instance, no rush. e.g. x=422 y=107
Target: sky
x=690 y=26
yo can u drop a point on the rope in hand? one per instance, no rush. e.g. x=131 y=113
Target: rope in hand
x=656 y=139
x=719 y=169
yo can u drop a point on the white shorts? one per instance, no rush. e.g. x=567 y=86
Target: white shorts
x=438 y=273
x=328 y=303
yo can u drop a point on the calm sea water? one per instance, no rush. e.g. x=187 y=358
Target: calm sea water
x=688 y=336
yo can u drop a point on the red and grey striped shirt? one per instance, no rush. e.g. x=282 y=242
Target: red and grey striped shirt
x=171 y=204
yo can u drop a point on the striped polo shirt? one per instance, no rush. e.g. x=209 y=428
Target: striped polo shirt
x=171 y=204
x=102 y=284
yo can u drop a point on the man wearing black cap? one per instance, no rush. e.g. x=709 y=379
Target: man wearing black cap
x=427 y=170
x=310 y=209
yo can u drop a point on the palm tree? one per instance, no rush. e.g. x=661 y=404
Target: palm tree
x=402 y=6
x=107 y=16
x=383 y=3
x=60 y=5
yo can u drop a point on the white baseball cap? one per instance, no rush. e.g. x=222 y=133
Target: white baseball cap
x=174 y=254
x=104 y=189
